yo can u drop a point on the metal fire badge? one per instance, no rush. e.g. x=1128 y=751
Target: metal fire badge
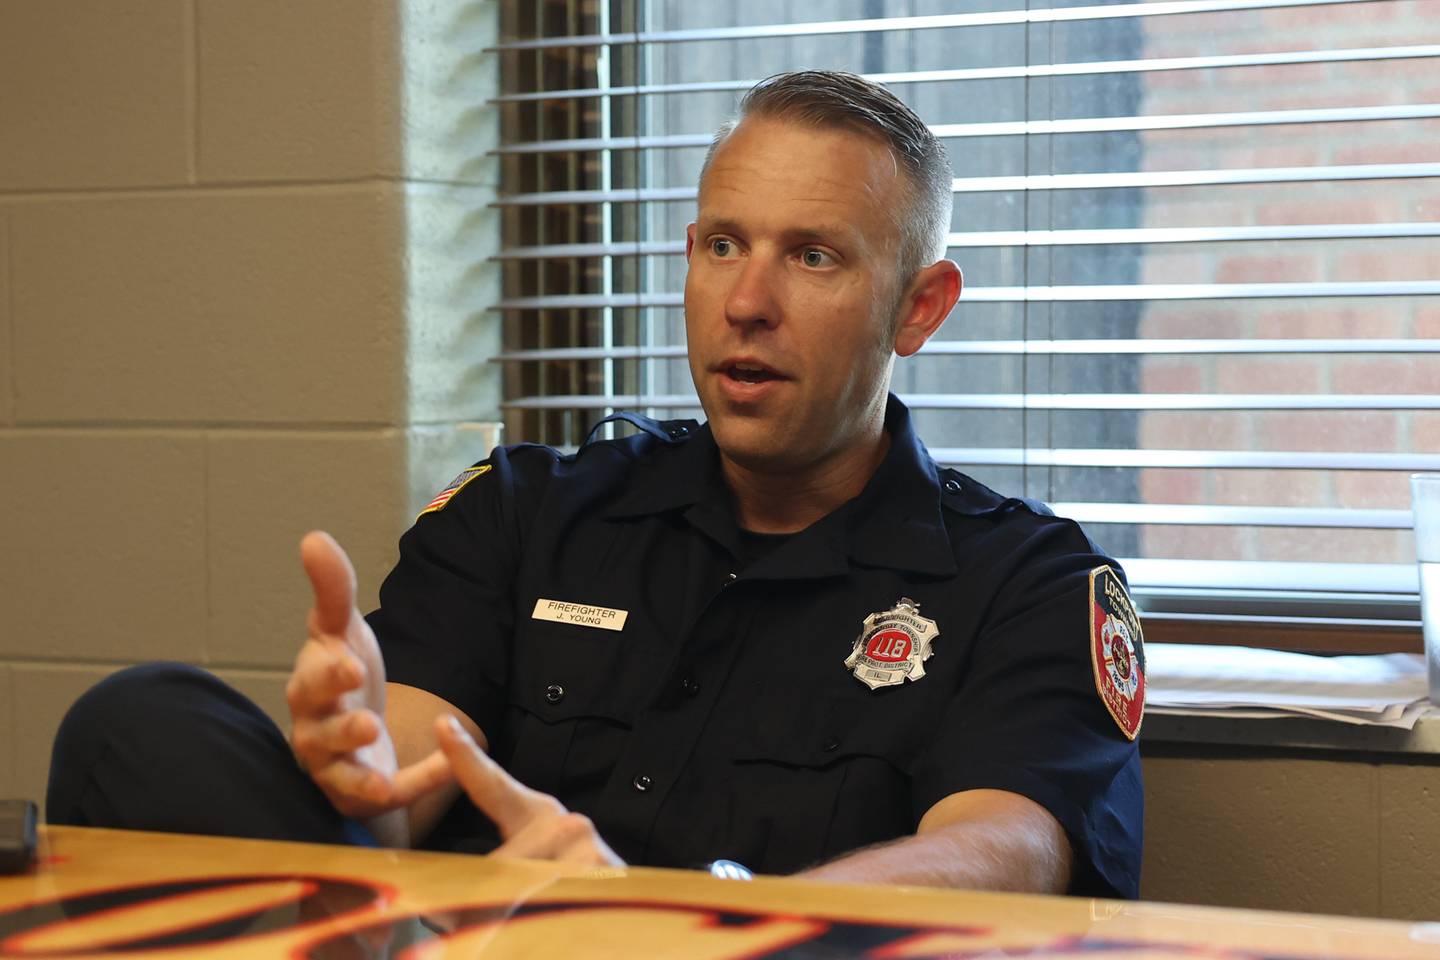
x=1117 y=650
x=892 y=646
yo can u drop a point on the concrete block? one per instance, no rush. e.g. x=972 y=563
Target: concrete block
x=1409 y=842
x=94 y=93
x=450 y=285
x=1269 y=834
x=438 y=454
x=104 y=536
x=445 y=79
x=266 y=688
x=246 y=305
x=7 y=735
x=7 y=358
x=266 y=490
x=43 y=694
x=297 y=91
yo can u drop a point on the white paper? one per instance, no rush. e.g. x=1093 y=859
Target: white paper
x=1198 y=679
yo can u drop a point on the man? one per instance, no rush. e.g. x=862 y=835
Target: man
x=785 y=638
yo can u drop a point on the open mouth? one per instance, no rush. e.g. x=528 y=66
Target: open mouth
x=750 y=373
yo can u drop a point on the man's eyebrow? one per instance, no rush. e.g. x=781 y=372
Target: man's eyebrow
x=719 y=223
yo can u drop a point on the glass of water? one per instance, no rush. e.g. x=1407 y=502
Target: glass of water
x=1425 y=498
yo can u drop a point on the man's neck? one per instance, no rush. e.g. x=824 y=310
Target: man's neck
x=786 y=502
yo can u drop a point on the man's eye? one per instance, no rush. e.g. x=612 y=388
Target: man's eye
x=721 y=247
x=815 y=258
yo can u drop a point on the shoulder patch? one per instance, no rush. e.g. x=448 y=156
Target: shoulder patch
x=1117 y=650
x=443 y=497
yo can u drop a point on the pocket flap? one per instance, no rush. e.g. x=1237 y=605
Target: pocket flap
x=834 y=732
x=564 y=672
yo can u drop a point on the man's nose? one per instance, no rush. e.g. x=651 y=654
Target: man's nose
x=752 y=299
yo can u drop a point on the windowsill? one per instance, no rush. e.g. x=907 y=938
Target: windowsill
x=1203 y=696
x=1294 y=734
x=1338 y=637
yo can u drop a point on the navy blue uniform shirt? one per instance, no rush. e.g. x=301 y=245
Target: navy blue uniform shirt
x=721 y=720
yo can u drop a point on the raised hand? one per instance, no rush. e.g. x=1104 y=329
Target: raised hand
x=337 y=704
x=532 y=824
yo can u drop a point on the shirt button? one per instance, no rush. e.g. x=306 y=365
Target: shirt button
x=831 y=745
x=690 y=686
x=677 y=432
x=641 y=782
x=952 y=486
x=554 y=693
x=729 y=579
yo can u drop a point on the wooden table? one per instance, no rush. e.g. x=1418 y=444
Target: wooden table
x=102 y=892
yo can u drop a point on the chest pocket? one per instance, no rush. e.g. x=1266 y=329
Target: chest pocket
x=573 y=700
x=822 y=783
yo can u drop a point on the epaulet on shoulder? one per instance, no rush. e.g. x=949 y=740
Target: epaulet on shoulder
x=966 y=495
x=668 y=432
x=530 y=446
x=1037 y=507
x=526 y=449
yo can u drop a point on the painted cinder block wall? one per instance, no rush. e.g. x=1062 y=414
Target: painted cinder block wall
x=242 y=294
x=1310 y=833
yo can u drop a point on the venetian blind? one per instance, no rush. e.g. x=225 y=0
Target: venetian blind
x=1202 y=312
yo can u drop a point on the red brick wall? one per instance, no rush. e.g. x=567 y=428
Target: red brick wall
x=1379 y=24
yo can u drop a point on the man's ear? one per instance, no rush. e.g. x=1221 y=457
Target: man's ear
x=927 y=302
x=689 y=241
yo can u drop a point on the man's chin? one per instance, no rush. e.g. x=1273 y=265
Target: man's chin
x=753 y=444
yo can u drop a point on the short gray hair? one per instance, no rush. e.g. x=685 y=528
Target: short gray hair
x=831 y=98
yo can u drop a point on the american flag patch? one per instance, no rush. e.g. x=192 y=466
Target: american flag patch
x=443 y=497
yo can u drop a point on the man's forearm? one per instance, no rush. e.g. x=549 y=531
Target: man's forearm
x=410 y=715
x=984 y=845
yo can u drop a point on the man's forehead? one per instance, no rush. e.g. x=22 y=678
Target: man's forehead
x=782 y=149
x=798 y=177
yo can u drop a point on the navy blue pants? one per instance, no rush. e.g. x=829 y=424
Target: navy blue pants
x=170 y=747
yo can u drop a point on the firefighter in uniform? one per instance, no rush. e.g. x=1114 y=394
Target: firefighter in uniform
x=785 y=637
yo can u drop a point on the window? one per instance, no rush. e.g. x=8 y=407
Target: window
x=1202 y=312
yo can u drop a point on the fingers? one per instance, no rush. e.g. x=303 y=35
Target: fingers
x=533 y=824
x=323 y=674
x=322 y=732
x=333 y=580
x=357 y=789
x=316 y=740
x=421 y=777
x=501 y=797
x=568 y=838
x=354 y=788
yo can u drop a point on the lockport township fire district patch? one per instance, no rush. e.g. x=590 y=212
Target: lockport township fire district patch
x=1117 y=650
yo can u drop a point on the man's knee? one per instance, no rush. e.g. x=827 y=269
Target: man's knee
x=153 y=698
x=146 y=721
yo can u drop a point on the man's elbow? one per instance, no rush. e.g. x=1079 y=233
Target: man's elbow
x=1028 y=849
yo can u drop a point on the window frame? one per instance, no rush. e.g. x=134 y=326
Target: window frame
x=1390 y=629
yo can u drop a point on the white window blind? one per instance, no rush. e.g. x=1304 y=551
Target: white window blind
x=1202 y=312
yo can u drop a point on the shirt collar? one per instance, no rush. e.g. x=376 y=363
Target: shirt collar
x=674 y=477
x=895 y=522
